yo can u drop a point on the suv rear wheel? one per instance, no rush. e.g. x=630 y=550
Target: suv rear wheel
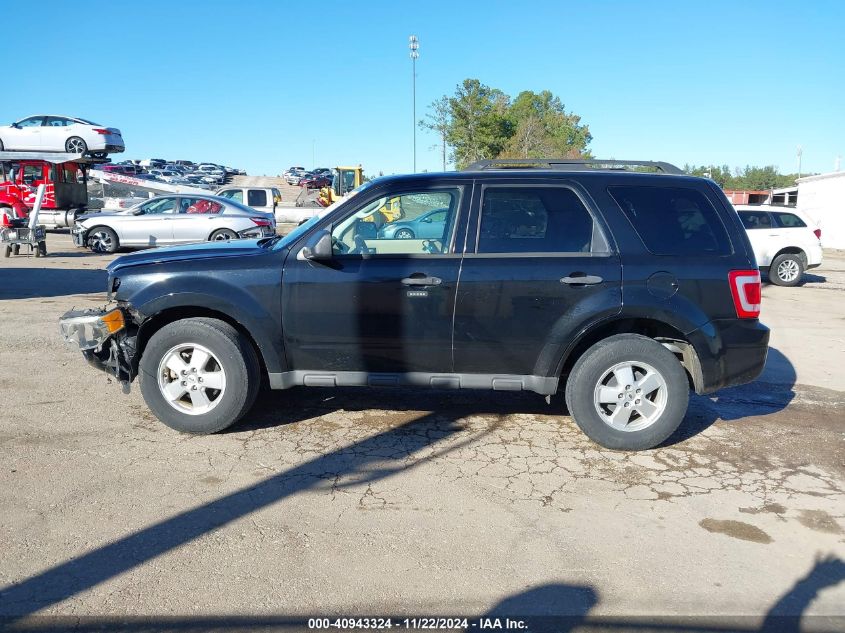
x=628 y=392
x=786 y=270
x=199 y=375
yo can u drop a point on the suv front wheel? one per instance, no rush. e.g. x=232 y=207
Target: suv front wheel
x=199 y=375
x=628 y=392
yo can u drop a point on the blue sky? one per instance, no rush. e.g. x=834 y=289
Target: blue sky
x=263 y=85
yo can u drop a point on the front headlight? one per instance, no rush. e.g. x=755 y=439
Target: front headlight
x=255 y=232
x=91 y=328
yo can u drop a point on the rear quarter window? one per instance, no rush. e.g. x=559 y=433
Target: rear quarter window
x=788 y=220
x=673 y=220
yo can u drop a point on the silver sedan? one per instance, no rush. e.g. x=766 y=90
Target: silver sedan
x=173 y=219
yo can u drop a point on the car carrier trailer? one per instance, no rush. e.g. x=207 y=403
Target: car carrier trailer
x=65 y=180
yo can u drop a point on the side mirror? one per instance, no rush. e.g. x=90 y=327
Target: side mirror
x=318 y=247
x=138 y=212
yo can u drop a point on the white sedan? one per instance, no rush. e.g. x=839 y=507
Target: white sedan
x=49 y=133
x=174 y=219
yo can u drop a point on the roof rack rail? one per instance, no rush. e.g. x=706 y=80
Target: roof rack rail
x=572 y=164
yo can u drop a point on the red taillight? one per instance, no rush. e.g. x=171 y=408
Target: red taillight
x=261 y=222
x=747 y=292
x=817 y=233
x=100 y=130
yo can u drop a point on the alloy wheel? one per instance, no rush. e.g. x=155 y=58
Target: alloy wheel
x=76 y=146
x=788 y=270
x=191 y=379
x=630 y=396
x=100 y=242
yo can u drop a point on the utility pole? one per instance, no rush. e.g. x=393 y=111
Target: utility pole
x=414 y=47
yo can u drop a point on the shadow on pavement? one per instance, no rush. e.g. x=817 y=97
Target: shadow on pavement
x=29 y=283
x=371 y=459
x=770 y=393
x=548 y=608
x=275 y=408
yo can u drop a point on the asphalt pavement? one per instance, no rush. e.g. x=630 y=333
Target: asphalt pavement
x=353 y=502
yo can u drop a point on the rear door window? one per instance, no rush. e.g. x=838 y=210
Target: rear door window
x=788 y=220
x=256 y=198
x=755 y=220
x=673 y=220
x=536 y=220
x=199 y=206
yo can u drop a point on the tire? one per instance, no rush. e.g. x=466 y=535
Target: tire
x=42 y=248
x=786 y=270
x=36 y=251
x=76 y=145
x=229 y=353
x=16 y=249
x=222 y=235
x=404 y=234
x=593 y=398
x=7 y=252
x=102 y=239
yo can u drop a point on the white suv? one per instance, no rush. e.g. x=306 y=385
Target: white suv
x=785 y=241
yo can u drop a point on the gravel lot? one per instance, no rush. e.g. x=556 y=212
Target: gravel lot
x=352 y=502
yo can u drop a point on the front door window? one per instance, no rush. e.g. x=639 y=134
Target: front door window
x=411 y=223
x=158 y=206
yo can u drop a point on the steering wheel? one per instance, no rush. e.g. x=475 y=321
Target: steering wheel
x=338 y=246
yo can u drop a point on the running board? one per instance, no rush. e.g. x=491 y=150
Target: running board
x=497 y=382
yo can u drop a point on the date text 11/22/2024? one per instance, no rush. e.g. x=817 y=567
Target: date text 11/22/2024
x=416 y=624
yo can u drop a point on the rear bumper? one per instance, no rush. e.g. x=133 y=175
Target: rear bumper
x=730 y=352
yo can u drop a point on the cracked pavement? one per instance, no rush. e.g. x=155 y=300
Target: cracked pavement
x=355 y=501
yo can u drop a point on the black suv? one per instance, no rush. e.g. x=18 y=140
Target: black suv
x=622 y=287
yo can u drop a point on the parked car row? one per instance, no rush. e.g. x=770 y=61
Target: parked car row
x=180 y=172
x=314 y=179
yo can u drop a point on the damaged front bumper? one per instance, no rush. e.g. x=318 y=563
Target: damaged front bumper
x=105 y=338
x=79 y=235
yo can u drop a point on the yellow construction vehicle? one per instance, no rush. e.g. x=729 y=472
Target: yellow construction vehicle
x=344 y=180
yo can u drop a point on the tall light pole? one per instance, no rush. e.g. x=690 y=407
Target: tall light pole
x=799 y=152
x=414 y=47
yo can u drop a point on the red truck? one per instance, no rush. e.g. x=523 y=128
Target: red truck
x=66 y=186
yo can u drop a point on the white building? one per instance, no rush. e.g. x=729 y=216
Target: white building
x=822 y=197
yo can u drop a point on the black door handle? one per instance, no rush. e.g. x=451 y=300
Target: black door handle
x=580 y=279
x=421 y=279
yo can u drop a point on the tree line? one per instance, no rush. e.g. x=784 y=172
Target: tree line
x=748 y=177
x=479 y=122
